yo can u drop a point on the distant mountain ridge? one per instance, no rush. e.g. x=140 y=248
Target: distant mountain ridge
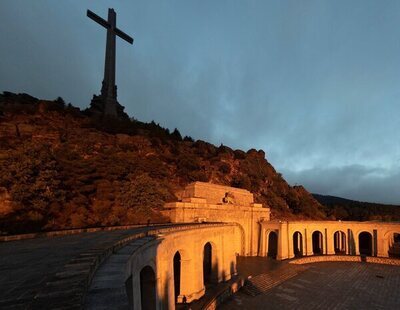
x=347 y=209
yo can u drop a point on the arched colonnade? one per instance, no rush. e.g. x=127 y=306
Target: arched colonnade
x=179 y=266
x=306 y=238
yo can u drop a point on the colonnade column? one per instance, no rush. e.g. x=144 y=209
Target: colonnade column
x=383 y=247
x=346 y=244
x=351 y=242
x=262 y=248
x=308 y=242
x=356 y=245
x=330 y=244
x=283 y=251
x=290 y=244
x=336 y=240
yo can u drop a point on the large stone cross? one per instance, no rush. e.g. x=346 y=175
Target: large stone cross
x=108 y=97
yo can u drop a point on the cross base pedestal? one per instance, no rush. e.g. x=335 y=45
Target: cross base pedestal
x=101 y=106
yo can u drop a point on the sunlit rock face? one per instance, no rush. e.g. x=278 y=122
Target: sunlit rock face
x=5 y=202
x=206 y=202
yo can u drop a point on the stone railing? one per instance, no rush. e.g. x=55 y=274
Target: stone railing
x=225 y=292
x=68 y=232
x=68 y=288
x=345 y=258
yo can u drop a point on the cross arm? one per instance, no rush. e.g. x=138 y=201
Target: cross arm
x=98 y=19
x=123 y=35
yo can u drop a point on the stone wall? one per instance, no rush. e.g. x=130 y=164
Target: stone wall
x=199 y=204
x=159 y=255
x=345 y=258
x=214 y=193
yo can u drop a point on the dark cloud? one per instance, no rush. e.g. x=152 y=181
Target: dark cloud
x=314 y=84
x=353 y=182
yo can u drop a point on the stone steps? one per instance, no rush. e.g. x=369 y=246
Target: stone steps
x=263 y=282
x=107 y=290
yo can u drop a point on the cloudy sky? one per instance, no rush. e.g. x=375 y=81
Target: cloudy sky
x=315 y=84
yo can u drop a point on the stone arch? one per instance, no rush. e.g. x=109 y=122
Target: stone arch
x=177 y=274
x=182 y=271
x=148 y=288
x=317 y=242
x=365 y=243
x=210 y=263
x=297 y=244
x=392 y=238
x=272 y=250
x=144 y=257
x=339 y=242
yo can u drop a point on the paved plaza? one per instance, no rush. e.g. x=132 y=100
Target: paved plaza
x=329 y=285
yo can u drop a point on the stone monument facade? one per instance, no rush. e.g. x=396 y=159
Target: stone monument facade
x=207 y=202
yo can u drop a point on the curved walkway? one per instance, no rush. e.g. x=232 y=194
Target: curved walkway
x=35 y=273
x=330 y=285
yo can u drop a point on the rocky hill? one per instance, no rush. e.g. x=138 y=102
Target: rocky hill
x=60 y=168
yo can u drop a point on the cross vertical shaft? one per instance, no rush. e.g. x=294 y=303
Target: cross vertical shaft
x=109 y=89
